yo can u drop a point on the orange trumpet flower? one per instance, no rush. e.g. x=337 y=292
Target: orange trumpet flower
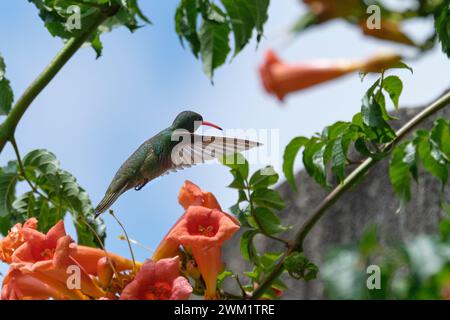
x=47 y=261
x=159 y=280
x=202 y=229
x=14 y=239
x=280 y=78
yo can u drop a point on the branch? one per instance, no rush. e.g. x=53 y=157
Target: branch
x=331 y=198
x=8 y=127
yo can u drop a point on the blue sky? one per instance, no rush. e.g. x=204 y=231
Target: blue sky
x=96 y=112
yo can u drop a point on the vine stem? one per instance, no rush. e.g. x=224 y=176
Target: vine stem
x=352 y=178
x=8 y=127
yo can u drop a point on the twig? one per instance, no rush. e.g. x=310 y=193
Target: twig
x=81 y=217
x=126 y=236
x=244 y=293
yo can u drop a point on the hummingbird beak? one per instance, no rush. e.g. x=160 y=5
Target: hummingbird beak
x=206 y=123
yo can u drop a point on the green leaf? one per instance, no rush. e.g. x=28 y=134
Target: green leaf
x=290 y=153
x=268 y=198
x=25 y=205
x=241 y=21
x=402 y=160
x=299 y=267
x=65 y=194
x=247 y=248
x=402 y=65
x=66 y=19
x=306 y=21
x=361 y=147
x=6 y=93
x=374 y=116
x=263 y=178
x=186 y=24
x=442 y=26
x=222 y=276
x=97 y=44
x=339 y=155
x=246 y=15
x=214 y=38
x=369 y=241
x=393 y=86
x=269 y=222
x=238 y=182
x=8 y=183
x=313 y=159
x=259 y=9
x=237 y=163
x=432 y=159
x=440 y=135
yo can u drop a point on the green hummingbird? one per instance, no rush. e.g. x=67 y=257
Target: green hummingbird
x=174 y=148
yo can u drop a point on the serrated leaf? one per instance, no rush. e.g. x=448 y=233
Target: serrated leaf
x=339 y=155
x=237 y=163
x=222 y=276
x=393 y=86
x=402 y=65
x=246 y=15
x=263 y=178
x=186 y=24
x=214 y=38
x=8 y=183
x=259 y=9
x=97 y=44
x=290 y=153
x=442 y=26
x=65 y=194
x=399 y=171
x=374 y=115
x=313 y=159
x=361 y=147
x=241 y=21
x=6 y=93
x=66 y=19
x=268 y=198
x=268 y=221
x=24 y=205
x=246 y=244
x=432 y=159
x=299 y=267
x=440 y=135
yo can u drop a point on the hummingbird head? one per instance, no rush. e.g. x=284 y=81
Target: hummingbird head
x=190 y=121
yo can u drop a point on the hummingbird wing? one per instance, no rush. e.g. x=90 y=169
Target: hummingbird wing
x=195 y=149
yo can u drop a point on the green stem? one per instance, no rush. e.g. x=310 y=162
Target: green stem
x=356 y=175
x=8 y=127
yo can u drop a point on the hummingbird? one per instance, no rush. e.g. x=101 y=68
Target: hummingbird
x=172 y=149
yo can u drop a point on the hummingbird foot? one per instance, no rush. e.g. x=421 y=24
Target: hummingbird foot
x=140 y=186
